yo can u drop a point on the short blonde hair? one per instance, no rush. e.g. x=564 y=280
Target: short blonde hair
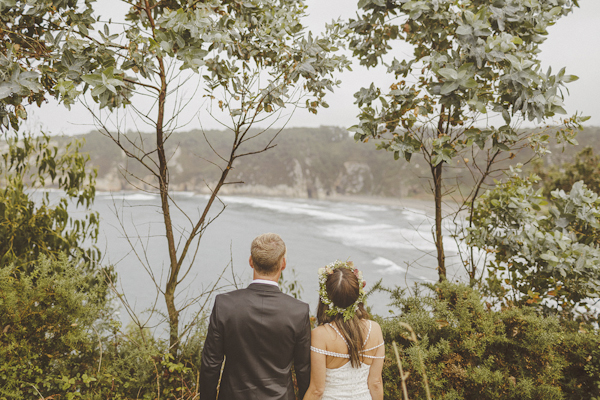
x=267 y=252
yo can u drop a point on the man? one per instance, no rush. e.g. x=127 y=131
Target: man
x=260 y=331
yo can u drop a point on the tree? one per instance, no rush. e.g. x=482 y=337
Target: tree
x=32 y=223
x=475 y=63
x=52 y=290
x=248 y=59
x=33 y=64
x=545 y=258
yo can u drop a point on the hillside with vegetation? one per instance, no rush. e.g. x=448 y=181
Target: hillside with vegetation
x=305 y=163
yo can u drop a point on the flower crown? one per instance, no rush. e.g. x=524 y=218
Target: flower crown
x=350 y=311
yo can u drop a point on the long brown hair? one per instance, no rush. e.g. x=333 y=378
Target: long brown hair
x=343 y=289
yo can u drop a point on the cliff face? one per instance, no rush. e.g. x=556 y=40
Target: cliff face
x=305 y=162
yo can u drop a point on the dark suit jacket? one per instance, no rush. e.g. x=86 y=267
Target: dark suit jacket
x=261 y=332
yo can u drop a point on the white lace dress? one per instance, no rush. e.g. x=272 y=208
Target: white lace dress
x=346 y=382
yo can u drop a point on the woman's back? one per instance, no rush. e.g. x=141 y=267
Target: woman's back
x=347 y=349
x=342 y=381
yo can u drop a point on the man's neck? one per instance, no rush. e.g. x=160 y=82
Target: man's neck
x=265 y=282
x=274 y=278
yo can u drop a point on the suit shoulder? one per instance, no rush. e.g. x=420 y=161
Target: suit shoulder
x=234 y=294
x=295 y=303
x=223 y=299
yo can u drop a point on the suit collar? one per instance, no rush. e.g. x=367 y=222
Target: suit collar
x=263 y=287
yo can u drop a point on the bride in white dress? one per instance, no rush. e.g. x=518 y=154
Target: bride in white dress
x=347 y=348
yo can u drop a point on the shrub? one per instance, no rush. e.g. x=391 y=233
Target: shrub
x=543 y=254
x=47 y=326
x=472 y=352
x=59 y=339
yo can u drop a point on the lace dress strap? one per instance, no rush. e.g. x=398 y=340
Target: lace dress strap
x=338 y=332
x=329 y=353
x=341 y=355
x=374 y=357
x=373 y=348
x=368 y=334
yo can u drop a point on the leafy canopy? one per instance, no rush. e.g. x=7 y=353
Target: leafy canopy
x=471 y=58
x=37 y=43
x=234 y=45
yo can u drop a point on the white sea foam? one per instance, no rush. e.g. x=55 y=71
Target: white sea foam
x=392 y=267
x=129 y=196
x=369 y=207
x=381 y=236
x=290 y=207
x=183 y=193
x=415 y=215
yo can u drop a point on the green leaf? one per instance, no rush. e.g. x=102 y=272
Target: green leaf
x=98 y=90
x=449 y=87
x=448 y=73
x=570 y=78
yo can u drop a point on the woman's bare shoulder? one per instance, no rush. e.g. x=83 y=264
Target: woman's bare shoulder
x=319 y=335
x=318 y=330
x=375 y=325
x=376 y=332
x=376 y=329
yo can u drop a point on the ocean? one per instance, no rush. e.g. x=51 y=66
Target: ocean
x=389 y=243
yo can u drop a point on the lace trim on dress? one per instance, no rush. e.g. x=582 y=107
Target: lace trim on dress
x=341 y=355
x=329 y=353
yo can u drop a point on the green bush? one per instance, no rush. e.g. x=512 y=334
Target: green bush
x=542 y=253
x=33 y=223
x=59 y=338
x=48 y=318
x=472 y=352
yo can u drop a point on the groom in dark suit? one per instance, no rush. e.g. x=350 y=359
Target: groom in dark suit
x=260 y=332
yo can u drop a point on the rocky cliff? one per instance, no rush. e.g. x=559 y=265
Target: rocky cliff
x=306 y=162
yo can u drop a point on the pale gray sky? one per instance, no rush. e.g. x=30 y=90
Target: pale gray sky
x=572 y=43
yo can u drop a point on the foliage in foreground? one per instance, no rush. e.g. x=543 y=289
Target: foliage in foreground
x=544 y=252
x=48 y=322
x=59 y=338
x=471 y=352
x=34 y=222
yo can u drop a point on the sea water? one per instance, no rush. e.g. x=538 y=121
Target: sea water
x=389 y=243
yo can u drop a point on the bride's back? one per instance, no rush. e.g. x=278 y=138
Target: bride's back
x=347 y=348
x=333 y=342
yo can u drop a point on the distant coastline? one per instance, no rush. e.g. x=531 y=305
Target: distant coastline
x=307 y=163
x=422 y=203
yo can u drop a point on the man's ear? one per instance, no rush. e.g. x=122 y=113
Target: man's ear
x=250 y=262
x=283 y=264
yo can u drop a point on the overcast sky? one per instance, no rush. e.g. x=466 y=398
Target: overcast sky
x=574 y=43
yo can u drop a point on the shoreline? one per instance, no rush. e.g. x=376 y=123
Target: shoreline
x=416 y=203
x=421 y=204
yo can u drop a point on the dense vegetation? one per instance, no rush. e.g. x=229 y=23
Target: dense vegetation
x=469 y=351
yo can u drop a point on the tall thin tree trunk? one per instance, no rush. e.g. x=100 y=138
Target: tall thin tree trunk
x=164 y=202
x=163 y=177
x=436 y=171
x=439 y=244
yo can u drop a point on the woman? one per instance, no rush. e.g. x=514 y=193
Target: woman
x=347 y=348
